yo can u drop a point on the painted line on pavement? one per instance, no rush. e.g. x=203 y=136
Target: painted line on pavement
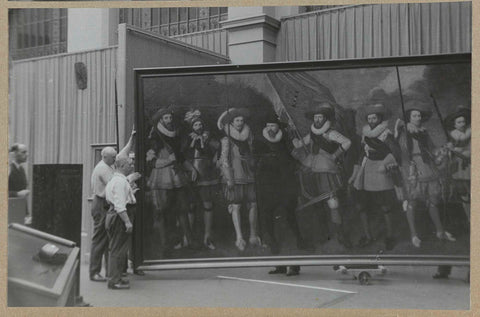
x=285 y=284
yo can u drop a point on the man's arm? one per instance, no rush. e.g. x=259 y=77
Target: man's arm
x=128 y=225
x=126 y=149
x=394 y=148
x=119 y=201
x=344 y=142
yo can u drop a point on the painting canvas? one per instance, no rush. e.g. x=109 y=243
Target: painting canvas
x=220 y=193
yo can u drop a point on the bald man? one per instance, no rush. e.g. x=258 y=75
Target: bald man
x=101 y=175
x=119 y=195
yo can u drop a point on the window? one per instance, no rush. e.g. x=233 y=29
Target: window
x=176 y=21
x=37 y=32
x=318 y=8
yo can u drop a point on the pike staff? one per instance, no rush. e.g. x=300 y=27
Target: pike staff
x=285 y=116
x=412 y=169
x=403 y=109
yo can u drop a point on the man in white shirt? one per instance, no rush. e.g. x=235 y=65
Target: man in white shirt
x=118 y=222
x=101 y=175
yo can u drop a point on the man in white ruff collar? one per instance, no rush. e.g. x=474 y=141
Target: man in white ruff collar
x=458 y=123
x=460 y=134
x=237 y=163
x=320 y=177
x=420 y=168
x=377 y=173
x=169 y=178
x=201 y=150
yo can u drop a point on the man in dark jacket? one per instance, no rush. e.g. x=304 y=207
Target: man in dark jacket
x=276 y=187
x=17 y=179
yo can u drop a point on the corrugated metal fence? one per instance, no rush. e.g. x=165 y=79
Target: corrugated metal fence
x=52 y=116
x=365 y=31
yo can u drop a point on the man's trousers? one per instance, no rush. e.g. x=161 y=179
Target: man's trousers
x=119 y=243
x=99 y=239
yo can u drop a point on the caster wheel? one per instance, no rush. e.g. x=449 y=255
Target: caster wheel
x=364 y=278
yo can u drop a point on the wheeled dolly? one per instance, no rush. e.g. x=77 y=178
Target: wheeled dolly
x=362 y=273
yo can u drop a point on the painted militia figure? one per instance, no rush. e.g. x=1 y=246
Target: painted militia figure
x=420 y=163
x=320 y=177
x=377 y=173
x=237 y=168
x=169 y=177
x=277 y=189
x=460 y=133
x=201 y=150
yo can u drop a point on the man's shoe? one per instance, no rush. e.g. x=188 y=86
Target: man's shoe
x=416 y=242
x=389 y=243
x=207 y=242
x=278 y=270
x=139 y=272
x=293 y=270
x=445 y=235
x=240 y=243
x=255 y=241
x=119 y=285
x=343 y=240
x=124 y=282
x=97 y=278
x=364 y=241
x=440 y=276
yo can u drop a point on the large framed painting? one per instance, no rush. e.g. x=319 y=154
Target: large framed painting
x=309 y=163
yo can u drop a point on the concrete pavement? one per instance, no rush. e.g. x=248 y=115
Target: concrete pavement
x=315 y=287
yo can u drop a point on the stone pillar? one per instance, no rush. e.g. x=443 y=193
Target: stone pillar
x=91 y=28
x=252 y=34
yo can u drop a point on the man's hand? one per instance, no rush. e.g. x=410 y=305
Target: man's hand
x=172 y=157
x=23 y=193
x=129 y=227
x=133 y=132
x=134 y=177
x=352 y=178
x=194 y=174
x=150 y=155
x=296 y=143
x=28 y=220
x=230 y=185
